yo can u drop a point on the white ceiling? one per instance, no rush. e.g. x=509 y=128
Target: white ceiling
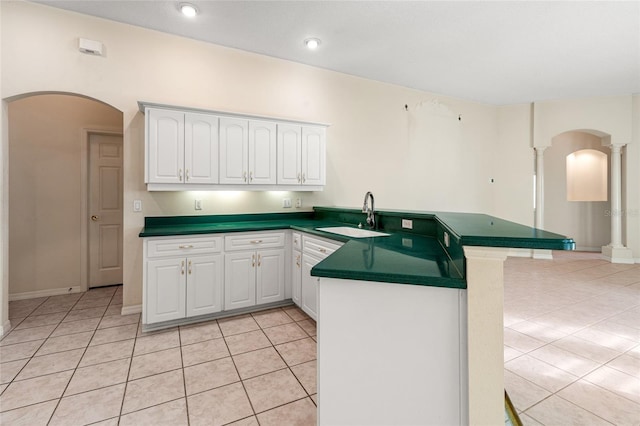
x=492 y=52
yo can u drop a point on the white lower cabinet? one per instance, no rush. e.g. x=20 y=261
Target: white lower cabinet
x=200 y=275
x=309 y=284
x=165 y=287
x=314 y=250
x=253 y=278
x=254 y=269
x=296 y=277
x=204 y=284
x=183 y=277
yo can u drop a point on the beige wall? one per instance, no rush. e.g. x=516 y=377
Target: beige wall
x=423 y=158
x=615 y=117
x=588 y=223
x=514 y=168
x=48 y=152
x=372 y=144
x=4 y=208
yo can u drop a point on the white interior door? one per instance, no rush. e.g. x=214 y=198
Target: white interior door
x=105 y=209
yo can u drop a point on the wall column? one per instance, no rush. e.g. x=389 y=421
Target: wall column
x=539 y=219
x=540 y=186
x=615 y=251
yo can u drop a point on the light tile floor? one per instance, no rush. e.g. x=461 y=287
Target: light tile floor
x=74 y=360
x=572 y=356
x=572 y=340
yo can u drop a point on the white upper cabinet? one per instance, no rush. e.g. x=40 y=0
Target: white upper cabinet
x=201 y=148
x=189 y=149
x=313 y=155
x=262 y=153
x=247 y=152
x=181 y=147
x=301 y=155
x=165 y=141
x=289 y=154
x=234 y=151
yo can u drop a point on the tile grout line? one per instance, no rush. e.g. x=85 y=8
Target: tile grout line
x=79 y=360
x=184 y=376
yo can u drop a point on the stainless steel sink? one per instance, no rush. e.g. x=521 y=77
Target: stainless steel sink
x=353 y=232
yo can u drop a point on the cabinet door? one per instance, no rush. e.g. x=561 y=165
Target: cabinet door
x=200 y=148
x=165 y=146
x=313 y=155
x=270 y=276
x=166 y=281
x=289 y=155
x=262 y=153
x=239 y=280
x=296 y=277
x=234 y=151
x=309 y=286
x=204 y=284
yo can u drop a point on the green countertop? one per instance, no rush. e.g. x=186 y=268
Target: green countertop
x=399 y=258
x=415 y=256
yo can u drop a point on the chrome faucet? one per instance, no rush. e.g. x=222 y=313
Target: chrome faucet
x=371 y=221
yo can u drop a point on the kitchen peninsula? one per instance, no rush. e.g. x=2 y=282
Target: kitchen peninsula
x=409 y=323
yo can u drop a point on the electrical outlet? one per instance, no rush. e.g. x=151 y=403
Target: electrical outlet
x=198 y=204
x=137 y=205
x=407 y=223
x=298 y=203
x=286 y=203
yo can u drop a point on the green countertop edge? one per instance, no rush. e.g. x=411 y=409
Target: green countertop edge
x=469 y=229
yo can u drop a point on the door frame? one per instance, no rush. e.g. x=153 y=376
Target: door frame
x=84 y=197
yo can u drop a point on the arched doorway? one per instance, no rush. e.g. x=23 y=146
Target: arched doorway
x=574 y=159
x=52 y=137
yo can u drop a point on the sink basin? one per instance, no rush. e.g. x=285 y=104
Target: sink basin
x=353 y=232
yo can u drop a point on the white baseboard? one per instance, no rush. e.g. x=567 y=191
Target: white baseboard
x=520 y=252
x=133 y=309
x=543 y=254
x=44 y=293
x=5 y=327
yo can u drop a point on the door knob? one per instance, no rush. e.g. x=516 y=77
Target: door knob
x=95 y=218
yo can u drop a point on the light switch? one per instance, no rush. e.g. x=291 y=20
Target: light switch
x=198 y=205
x=286 y=203
x=137 y=205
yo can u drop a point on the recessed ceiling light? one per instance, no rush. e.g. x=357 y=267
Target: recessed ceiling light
x=188 y=10
x=312 y=43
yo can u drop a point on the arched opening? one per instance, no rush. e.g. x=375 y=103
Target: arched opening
x=56 y=146
x=587 y=176
x=576 y=188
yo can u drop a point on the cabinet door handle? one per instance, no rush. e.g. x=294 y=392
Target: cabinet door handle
x=185 y=246
x=256 y=241
x=258 y=260
x=180 y=175
x=304 y=179
x=189 y=267
x=250 y=176
x=298 y=261
x=187 y=175
x=182 y=267
x=299 y=179
x=244 y=176
x=253 y=260
x=322 y=250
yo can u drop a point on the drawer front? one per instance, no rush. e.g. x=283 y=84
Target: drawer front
x=319 y=247
x=296 y=240
x=253 y=241
x=183 y=246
